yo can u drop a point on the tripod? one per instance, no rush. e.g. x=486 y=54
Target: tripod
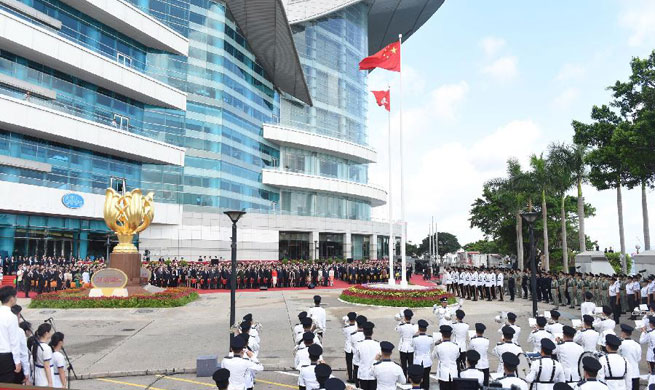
x=70 y=365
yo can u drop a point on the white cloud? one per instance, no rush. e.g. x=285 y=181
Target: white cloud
x=502 y=69
x=491 y=45
x=639 y=18
x=447 y=98
x=564 y=99
x=570 y=72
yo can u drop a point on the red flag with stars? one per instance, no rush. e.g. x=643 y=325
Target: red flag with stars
x=383 y=98
x=387 y=58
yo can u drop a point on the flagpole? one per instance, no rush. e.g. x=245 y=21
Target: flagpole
x=431 y=243
x=403 y=239
x=392 y=276
x=436 y=241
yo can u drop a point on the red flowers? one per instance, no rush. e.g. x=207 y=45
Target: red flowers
x=394 y=297
x=78 y=298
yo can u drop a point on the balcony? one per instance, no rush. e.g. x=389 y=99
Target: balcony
x=37 y=43
x=300 y=181
x=288 y=136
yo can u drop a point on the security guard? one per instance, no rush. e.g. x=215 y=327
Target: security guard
x=631 y=351
x=317 y=314
x=480 y=344
x=460 y=334
x=407 y=330
x=538 y=334
x=472 y=358
x=509 y=363
x=355 y=338
x=348 y=329
x=221 y=377
x=614 y=366
x=506 y=346
x=591 y=366
x=367 y=351
x=568 y=353
x=422 y=343
x=240 y=367
x=544 y=371
x=587 y=337
x=307 y=374
x=447 y=354
x=386 y=372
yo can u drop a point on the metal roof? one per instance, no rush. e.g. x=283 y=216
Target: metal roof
x=264 y=25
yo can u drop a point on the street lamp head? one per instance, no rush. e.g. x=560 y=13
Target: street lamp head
x=530 y=216
x=234 y=215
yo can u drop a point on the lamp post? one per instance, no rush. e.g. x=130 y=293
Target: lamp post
x=530 y=217
x=234 y=217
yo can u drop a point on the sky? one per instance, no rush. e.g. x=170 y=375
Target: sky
x=484 y=81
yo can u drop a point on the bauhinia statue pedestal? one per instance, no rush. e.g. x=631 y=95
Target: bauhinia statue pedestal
x=130 y=263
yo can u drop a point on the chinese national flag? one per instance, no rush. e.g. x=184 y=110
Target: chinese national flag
x=387 y=58
x=383 y=98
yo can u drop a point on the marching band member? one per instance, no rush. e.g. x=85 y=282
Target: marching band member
x=253 y=332
x=507 y=345
x=472 y=358
x=604 y=326
x=545 y=371
x=509 y=363
x=568 y=353
x=587 y=337
x=317 y=314
x=407 y=330
x=587 y=307
x=222 y=378
x=348 y=329
x=591 y=366
x=555 y=327
x=251 y=342
x=307 y=374
x=241 y=368
x=631 y=351
x=538 y=334
x=415 y=373
x=323 y=372
x=614 y=368
x=422 y=344
x=298 y=329
x=355 y=338
x=511 y=322
x=302 y=351
x=447 y=354
x=386 y=372
x=443 y=312
x=648 y=337
x=480 y=344
x=367 y=351
x=460 y=333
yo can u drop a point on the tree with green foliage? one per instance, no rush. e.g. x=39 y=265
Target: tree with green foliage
x=542 y=179
x=561 y=163
x=483 y=246
x=579 y=174
x=447 y=243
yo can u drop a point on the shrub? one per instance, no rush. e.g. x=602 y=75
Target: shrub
x=79 y=299
x=394 y=297
x=615 y=261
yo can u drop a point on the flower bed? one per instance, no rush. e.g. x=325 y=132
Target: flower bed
x=79 y=299
x=394 y=297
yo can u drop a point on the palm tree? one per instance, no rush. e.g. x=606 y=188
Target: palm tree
x=561 y=163
x=542 y=181
x=579 y=172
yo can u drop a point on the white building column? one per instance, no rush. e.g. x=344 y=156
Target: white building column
x=314 y=255
x=348 y=245
x=373 y=248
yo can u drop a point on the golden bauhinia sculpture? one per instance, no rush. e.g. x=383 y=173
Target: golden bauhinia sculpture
x=128 y=215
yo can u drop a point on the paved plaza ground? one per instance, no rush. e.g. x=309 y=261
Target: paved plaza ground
x=157 y=348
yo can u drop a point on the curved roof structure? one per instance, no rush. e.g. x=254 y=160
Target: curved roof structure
x=386 y=18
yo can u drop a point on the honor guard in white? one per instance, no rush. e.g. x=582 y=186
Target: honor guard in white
x=489 y=284
x=422 y=344
x=631 y=351
x=480 y=284
x=349 y=328
x=545 y=371
x=242 y=365
x=355 y=338
x=298 y=329
x=443 y=312
x=511 y=322
x=509 y=362
x=386 y=372
x=591 y=366
x=604 y=326
x=555 y=328
x=614 y=367
x=474 y=284
x=480 y=344
x=406 y=330
x=507 y=345
x=446 y=354
x=302 y=351
x=568 y=353
x=499 y=285
x=471 y=372
x=222 y=378
x=466 y=279
x=587 y=307
x=587 y=337
x=447 y=279
x=538 y=334
x=307 y=375
x=317 y=314
x=367 y=352
x=460 y=334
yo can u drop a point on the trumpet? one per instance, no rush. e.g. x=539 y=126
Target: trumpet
x=258 y=326
x=400 y=315
x=501 y=318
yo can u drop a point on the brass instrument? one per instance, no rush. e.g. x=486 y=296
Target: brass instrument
x=127 y=215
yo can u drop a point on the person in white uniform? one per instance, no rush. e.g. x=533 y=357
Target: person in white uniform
x=587 y=307
x=302 y=352
x=242 y=364
x=222 y=378
x=604 y=326
x=510 y=362
x=386 y=372
x=367 y=352
x=317 y=314
x=545 y=371
x=299 y=329
x=460 y=334
x=323 y=372
x=307 y=374
x=591 y=366
x=587 y=337
x=614 y=368
x=307 y=326
x=422 y=343
x=355 y=338
x=348 y=329
x=407 y=331
x=42 y=355
x=499 y=285
x=446 y=354
x=443 y=312
x=480 y=344
x=58 y=361
x=507 y=345
x=538 y=334
x=471 y=372
x=511 y=322
x=648 y=338
x=568 y=353
x=555 y=328
x=631 y=351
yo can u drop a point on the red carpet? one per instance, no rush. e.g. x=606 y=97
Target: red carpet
x=419 y=281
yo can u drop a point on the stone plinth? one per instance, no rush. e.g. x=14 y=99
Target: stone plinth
x=130 y=263
x=594 y=262
x=644 y=261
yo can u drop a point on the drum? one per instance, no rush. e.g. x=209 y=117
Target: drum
x=597 y=355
